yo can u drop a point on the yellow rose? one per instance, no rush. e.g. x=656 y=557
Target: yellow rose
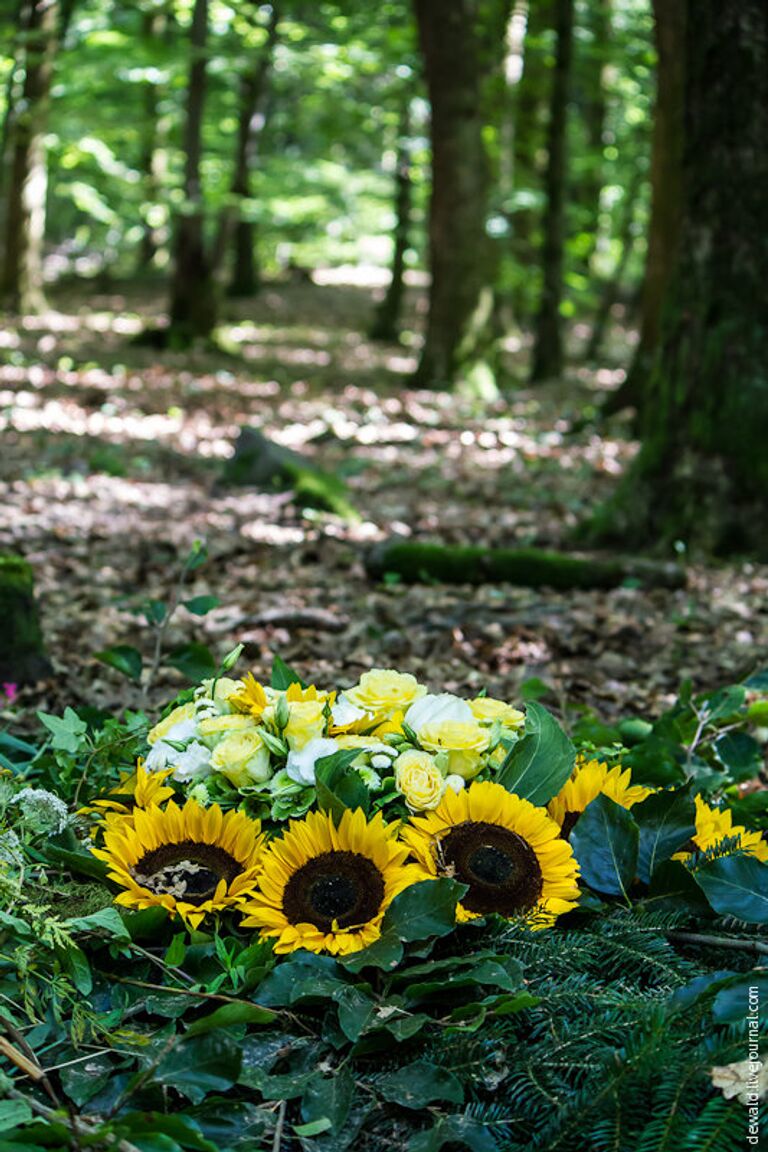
x=184 y=714
x=384 y=691
x=486 y=710
x=306 y=721
x=215 y=727
x=463 y=744
x=243 y=758
x=419 y=779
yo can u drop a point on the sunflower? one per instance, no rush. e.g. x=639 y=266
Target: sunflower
x=189 y=860
x=139 y=789
x=714 y=825
x=590 y=779
x=295 y=694
x=508 y=852
x=325 y=887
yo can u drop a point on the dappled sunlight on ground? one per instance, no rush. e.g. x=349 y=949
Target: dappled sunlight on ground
x=111 y=452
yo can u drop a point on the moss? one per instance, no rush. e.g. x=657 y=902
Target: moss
x=530 y=567
x=22 y=654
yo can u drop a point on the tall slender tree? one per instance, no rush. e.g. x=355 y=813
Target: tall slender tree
x=193 y=291
x=462 y=42
x=702 y=473
x=386 y=323
x=547 y=358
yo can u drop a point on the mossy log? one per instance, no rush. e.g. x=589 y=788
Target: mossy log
x=22 y=654
x=263 y=464
x=423 y=563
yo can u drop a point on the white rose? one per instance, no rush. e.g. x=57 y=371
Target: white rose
x=436 y=709
x=344 y=713
x=300 y=765
x=455 y=782
x=192 y=764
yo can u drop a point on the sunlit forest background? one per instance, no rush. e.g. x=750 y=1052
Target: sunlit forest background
x=321 y=285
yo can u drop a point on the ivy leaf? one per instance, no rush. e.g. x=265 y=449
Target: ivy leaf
x=201 y=605
x=740 y=754
x=328 y=1098
x=605 y=840
x=124 y=659
x=67 y=730
x=283 y=676
x=667 y=821
x=199 y=1065
x=542 y=760
x=736 y=886
x=424 y=909
x=418 y=1084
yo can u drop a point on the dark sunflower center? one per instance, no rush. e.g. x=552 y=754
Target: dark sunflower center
x=187 y=870
x=500 y=867
x=345 y=888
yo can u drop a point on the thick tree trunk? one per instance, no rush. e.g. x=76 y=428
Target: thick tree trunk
x=386 y=322
x=454 y=39
x=21 y=276
x=702 y=474
x=548 y=346
x=666 y=193
x=193 y=291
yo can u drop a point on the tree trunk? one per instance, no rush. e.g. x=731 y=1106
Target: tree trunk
x=454 y=39
x=21 y=276
x=152 y=161
x=548 y=347
x=702 y=473
x=22 y=654
x=386 y=323
x=666 y=193
x=612 y=288
x=193 y=291
x=528 y=132
x=593 y=103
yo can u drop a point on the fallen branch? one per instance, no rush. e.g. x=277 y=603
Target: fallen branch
x=315 y=618
x=420 y=563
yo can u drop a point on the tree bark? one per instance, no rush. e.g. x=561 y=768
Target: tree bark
x=547 y=359
x=461 y=43
x=21 y=276
x=386 y=323
x=702 y=473
x=193 y=291
x=152 y=161
x=666 y=194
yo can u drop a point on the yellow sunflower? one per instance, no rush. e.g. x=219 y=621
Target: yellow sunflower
x=325 y=887
x=141 y=789
x=189 y=860
x=295 y=694
x=251 y=698
x=713 y=825
x=509 y=852
x=590 y=779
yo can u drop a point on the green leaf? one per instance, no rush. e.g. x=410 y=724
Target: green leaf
x=724 y=704
x=201 y=605
x=339 y=786
x=13 y=1113
x=386 y=952
x=314 y=1127
x=540 y=763
x=736 y=886
x=155 y=612
x=198 y=1065
x=305 y=976
x=195 y=661
x=75 y=963
x=667 y=821
x=67 y=730
x=424 y=909
x=106 y=920
x=740 y=754
x=458 y=1132
x=605 y=840
x=283 y=676
x=81 y=863
x=356 y=1010
x=198 y=554
x=229 y=1014
x=124 y=658
x=418 y=1084
x=328 y=1098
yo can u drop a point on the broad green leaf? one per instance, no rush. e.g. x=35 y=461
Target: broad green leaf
x=339 y=786
x=605 y=841
x=283 y=676
x=13 y=1113
x=314 y=1127
x=736 y=886
x=67 y=730
x=201 y=605
x=740 y=754
x=419 y=1084
x=229 y=1014
x=304 y=976
x=424 y=909
x=198 y=1065
x=106 y=920
x=456 y=1132
x=667 y=821
x=194 y=661
x=355 y=1011
x=328 y=1098
x=540 y=763
x=386 y=952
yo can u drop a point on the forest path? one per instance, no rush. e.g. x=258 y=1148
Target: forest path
x=110 y=452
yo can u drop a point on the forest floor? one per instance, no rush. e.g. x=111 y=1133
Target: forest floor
x=111 y=451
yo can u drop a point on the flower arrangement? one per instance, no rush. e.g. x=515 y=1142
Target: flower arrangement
x=308 y=880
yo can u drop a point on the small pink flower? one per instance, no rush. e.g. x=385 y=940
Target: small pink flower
x=10 y=691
